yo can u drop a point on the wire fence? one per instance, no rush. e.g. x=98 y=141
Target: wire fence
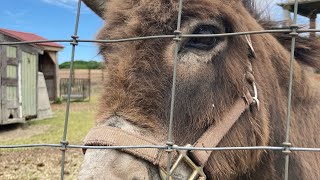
x=293 y=30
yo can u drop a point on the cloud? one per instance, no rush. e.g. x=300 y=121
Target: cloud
x=68 y=4
x=15 y=18
x=15 y=14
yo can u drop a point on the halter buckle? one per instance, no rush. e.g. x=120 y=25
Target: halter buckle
x=197 y=171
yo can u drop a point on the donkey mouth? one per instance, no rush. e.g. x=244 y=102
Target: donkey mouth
x=112 y=164
x=116 y=164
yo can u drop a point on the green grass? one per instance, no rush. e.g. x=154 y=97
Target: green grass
x=80 y=121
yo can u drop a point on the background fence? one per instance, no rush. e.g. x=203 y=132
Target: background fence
x=176 y=36
x=80 y=88
x=90 y=80
x=96 y=76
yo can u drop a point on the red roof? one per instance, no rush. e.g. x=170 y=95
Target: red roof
x=24 y=36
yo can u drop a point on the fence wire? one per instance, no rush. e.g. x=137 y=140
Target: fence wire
x=293 y=30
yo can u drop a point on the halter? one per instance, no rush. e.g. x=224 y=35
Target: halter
x=196 y=160
x=112 y=136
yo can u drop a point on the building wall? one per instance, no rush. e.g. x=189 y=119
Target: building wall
x=48 y=67
x=17 y=101
x=29 y=76
x=9 y=92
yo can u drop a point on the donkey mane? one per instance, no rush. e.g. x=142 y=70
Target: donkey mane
x=306 y=51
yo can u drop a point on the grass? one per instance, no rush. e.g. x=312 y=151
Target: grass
x=79 y=124
x=44 y=163
x=81 y=119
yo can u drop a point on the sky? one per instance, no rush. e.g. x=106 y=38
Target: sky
x=55 y=19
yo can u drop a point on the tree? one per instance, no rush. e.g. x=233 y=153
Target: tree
x=80 y=64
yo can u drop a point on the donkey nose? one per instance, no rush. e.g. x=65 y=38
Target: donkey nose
x=128 y=167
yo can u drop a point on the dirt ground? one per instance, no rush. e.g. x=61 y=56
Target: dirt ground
x=15 y=132
x=38 y=164
x=78 y=106
x=35 y=163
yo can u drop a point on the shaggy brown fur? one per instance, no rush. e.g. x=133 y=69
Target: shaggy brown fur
x=140 y=78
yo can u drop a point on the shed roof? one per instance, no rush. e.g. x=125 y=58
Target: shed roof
x=25 y=36
x=306 y=7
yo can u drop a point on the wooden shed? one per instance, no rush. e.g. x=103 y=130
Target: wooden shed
x=19 y=74
x=306 y=8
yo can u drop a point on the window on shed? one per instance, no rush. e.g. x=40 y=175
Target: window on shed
x=11 y=93
x=11 y=71
x=11 y=52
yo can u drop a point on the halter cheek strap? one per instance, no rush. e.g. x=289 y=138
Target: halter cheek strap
x=214 y=134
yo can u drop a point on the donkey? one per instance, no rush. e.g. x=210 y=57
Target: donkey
x=211 y=77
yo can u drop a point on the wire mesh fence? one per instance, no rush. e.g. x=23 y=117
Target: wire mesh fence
x=293 y=30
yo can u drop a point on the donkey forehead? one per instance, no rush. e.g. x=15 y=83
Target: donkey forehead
x=153 y=17
x=164 y=10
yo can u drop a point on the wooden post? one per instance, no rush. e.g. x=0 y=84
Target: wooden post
x=89 y=74
x=2 y=55
x=313 y=25
x=287 y=18
x=102 y=72
x=3 y=95
x=73 y=73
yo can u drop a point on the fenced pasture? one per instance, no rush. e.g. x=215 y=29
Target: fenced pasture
x=95 y=76
x=76 y=123
x=44 y=163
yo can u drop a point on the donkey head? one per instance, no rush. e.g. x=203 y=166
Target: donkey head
x=210 y=78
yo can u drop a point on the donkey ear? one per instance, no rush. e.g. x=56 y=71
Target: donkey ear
x=97 y=6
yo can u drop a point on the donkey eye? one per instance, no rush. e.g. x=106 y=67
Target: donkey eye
x=204 y=43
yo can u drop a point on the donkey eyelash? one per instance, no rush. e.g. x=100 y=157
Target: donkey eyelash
x=204 y=43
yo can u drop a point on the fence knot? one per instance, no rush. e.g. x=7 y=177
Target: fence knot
x=294 y=28
x=64 y=145
x=74 y=40
x=177 y=33
x=286 y=146
x=169 y=146
x=168 y=143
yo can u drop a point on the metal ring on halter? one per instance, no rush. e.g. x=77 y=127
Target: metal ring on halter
x=197 y=173
x=255 y=96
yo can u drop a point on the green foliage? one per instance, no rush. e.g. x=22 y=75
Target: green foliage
x=58 y=101
x=79 y=64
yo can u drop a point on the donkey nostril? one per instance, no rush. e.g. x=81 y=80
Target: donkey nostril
x=135 y=178
x=138 y=178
